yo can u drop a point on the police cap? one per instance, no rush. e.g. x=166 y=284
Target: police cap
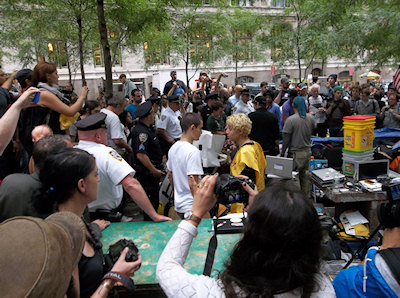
x=245 y=91
x=173 y=98
x=92 y=122
x=143 y=110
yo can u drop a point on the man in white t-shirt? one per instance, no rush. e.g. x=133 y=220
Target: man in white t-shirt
x=116 y=137
x=183 y=161
x=114 y=172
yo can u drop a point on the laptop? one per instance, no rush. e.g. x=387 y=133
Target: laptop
x=279 y=166
x=326 y=176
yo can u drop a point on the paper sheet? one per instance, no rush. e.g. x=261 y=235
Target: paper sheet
x=356 y=218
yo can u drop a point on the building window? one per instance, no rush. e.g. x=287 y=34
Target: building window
x=242 y=46
x=245 y=3
x=99 y=58
x=245 y=79
x=57 y=53
x=278 y=41
x=200 y=46
x=155 y=54
x=280 y=3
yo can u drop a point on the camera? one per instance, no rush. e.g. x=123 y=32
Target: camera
x=389 y=212
x=115 y=250
x=229 y=189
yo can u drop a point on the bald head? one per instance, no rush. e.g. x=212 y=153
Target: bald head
x=238 y=88
x=98 y=136
x=41 y=131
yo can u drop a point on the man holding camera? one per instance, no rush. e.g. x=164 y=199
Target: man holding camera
x=379 y=273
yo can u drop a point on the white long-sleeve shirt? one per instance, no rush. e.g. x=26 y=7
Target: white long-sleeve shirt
x=177 y=282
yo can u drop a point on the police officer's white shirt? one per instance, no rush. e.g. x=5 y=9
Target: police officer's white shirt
x=169 y=121
x=241 y=107
x=115 y=130
x=112 y=170
x=183 y=160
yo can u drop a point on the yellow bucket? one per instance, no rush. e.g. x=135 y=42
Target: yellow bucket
x=358 y=132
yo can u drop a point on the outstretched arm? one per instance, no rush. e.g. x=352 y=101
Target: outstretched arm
x=9 y=121
x=137 y=193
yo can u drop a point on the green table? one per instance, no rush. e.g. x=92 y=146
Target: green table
x=151 y=238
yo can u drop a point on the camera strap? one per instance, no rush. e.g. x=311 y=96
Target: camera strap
x=392 y=259
x=125 y=280
x=212 y=247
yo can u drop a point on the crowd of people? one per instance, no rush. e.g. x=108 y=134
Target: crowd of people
x=80 y=158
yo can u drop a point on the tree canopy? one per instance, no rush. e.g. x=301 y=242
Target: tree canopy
x=172 y=32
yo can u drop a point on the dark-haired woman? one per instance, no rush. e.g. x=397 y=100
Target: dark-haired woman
x=278 y=255
x=70 y=179
x=45 y=77
x=51 y=104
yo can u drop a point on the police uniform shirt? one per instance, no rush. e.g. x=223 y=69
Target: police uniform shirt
x=170 y=123
x=145 y=141
x=112 y=170
x=242 y=107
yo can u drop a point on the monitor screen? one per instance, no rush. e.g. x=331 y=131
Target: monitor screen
x=370 y=170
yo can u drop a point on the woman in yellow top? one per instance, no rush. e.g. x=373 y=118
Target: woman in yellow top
x=249 y=160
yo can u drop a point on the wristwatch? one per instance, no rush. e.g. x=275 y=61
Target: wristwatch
x=191 y=216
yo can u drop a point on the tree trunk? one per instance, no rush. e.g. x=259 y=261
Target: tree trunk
x=187 y=63
x=81 y=59
x=298 y=54
x=106 y=49
x=236 y=71
x=68 y=64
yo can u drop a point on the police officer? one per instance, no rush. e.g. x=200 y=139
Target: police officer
x=114 y=172
x=147 y=152
x=169 y=127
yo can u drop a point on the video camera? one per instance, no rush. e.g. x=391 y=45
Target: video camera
x=389 y=212
x=229 y=189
